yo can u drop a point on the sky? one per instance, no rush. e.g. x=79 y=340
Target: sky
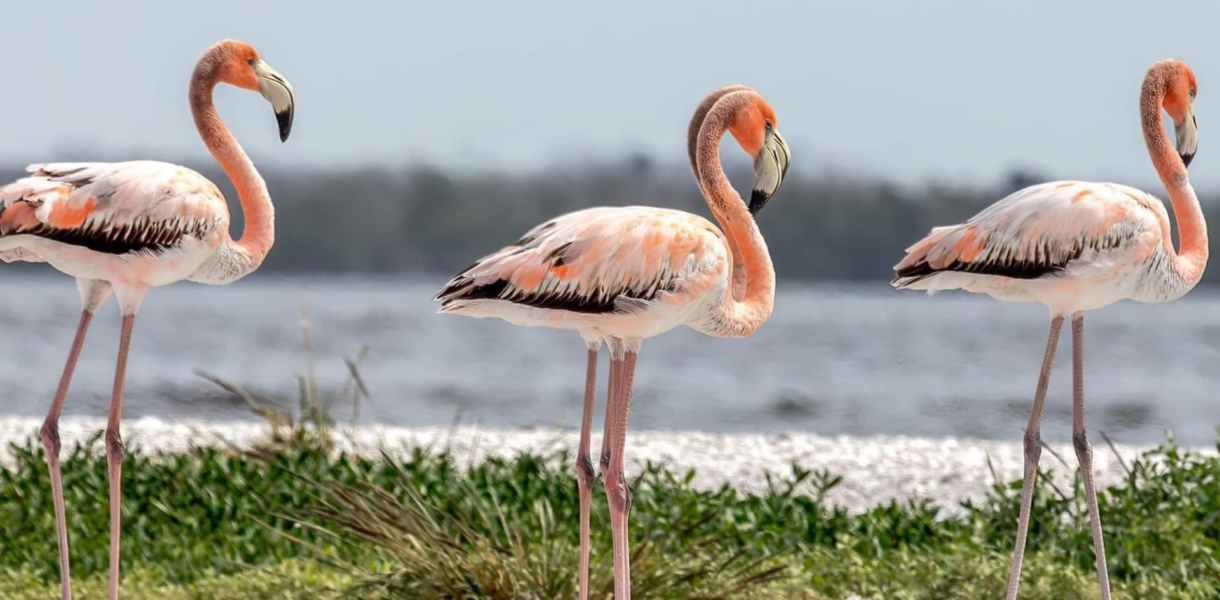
x=959 y=91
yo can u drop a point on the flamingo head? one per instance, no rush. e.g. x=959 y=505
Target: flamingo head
x=755 y=128
x=240 y=65
x=1181 y=88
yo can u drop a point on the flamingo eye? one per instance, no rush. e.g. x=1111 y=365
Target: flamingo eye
x=769 y=125
x=252 y=61
x=1192 y=92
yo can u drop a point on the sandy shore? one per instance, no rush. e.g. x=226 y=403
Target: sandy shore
x=875 y=469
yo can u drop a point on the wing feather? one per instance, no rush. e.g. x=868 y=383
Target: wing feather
x=1037 y=232
x=112 y=207
x=601 y=260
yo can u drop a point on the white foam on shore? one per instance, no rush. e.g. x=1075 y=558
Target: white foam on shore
x=875 y=469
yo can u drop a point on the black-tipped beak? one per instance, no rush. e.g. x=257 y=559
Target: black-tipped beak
x=285 y=121
x=1187 y=134
x=276 y=90
x=770 y=166
x=759 y=199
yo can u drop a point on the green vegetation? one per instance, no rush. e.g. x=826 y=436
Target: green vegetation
x=294 y=520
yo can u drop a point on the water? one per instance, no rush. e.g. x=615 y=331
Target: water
x=859 y=360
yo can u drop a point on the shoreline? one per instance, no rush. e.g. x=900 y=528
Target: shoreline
x=875 y=469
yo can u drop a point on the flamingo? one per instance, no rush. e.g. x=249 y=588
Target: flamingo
x=1074 y=247
x=623 y=275
x=128 y=227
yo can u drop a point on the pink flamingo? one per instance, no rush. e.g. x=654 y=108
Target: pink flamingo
x=1075 y=247
x=127 y=227
x=628 y=274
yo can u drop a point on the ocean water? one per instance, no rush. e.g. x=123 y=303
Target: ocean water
x=832 y=360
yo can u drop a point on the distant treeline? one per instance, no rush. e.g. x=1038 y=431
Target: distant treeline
x=424 y=219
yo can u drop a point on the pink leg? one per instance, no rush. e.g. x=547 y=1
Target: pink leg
x=50 y=441
x=114 y=453
x=616 y=367
x=616 y=481
x=1033 y=450
x=584 y=471
x=1084 y=452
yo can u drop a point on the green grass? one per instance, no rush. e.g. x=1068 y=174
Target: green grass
x=295 y=521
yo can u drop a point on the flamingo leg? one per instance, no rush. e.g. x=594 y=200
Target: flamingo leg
x=584 y=470
x=608 y=431
x=616 y=368
x=1084 y=452
x=1033 y=450
x=616 y=481
x=50 y=441
x=114 y=452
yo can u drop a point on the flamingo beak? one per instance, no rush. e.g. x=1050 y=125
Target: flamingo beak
x=770 y=166
x=276 y=90
x=1187 y=133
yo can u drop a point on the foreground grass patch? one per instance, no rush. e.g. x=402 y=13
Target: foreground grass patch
x=290 y=580
x=294 y=521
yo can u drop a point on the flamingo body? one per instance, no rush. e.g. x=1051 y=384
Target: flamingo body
x=632 y=272
x=143 y=223
x=1073 y=246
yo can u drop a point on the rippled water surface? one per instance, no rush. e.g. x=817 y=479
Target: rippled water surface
x=832 y=360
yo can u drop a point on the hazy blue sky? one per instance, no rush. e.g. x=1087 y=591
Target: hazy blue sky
x=910 y=90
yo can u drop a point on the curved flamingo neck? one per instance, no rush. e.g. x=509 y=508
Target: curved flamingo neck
x=259 y=214
x=692 y=142
x=1191 y=258
x=696 y=122
x=738 y=317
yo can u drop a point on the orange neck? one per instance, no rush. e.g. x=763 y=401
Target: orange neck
x=740 y=316
x=259 y=214
x=1191 y=259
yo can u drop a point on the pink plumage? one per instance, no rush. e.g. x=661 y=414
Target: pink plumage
x=1070 y=245
x=612 y=271
x=122 y=211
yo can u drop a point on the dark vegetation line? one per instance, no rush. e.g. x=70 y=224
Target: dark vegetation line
x=428 y=220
